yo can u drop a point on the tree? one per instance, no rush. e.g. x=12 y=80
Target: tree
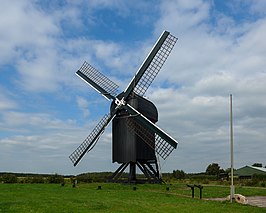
x=213 y=169
x=257 y=164
x=179 y=174
x=228 y=170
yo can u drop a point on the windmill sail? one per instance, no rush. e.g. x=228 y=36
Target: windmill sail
x=98 y=81
x=151 y=65
x=90 y=141
x=154 y=140
x=144 y=128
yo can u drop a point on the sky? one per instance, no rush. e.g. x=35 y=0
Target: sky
x=46 y=111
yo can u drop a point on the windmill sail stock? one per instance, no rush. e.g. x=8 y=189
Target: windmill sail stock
x=151 y=65
x=135 y=136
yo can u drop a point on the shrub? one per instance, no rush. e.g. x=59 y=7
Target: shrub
x=252 y=182
x=259 y=177
x=205 y=181
x=9 y=178
x=56 y=178
x=202 y=177
x=37 y=179
x=84 y=178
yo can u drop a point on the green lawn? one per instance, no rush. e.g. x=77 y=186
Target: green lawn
x=118 y=198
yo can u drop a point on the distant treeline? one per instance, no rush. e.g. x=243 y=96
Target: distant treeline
x=7 y=177
x=92 y=177
x=31 y=174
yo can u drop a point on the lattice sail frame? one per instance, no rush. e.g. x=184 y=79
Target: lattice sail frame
x=155 y=65
x=161 y=146
x=98 y=78
x=91 y=140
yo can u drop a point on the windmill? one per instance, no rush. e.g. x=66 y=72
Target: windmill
x=135 y=138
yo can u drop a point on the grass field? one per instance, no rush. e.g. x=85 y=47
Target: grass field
x=119 y=198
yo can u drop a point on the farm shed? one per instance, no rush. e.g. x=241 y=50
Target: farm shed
x=249 y=171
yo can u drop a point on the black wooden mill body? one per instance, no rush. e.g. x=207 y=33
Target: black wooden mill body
x=128 y=146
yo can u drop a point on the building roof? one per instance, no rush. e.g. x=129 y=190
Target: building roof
x=250 y=170
x=259 y=168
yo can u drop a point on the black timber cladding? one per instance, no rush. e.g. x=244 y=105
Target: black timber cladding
x=127 y=146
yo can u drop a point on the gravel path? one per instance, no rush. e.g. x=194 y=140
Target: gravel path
x=259 y=201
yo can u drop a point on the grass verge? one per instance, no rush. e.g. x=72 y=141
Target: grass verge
x=118 y=198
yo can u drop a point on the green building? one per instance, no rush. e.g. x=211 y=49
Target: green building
x=249 y=171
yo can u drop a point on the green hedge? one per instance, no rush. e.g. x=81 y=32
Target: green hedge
x=8 y=178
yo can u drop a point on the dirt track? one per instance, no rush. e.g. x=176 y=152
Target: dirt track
x=259 y=201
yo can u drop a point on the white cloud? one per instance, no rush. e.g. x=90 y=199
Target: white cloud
x=23 y=27
x=33 y=41
x=20 y=122
x=213 y=57
x=83 y=105
x=203 y=69
x=39 y=74
x=182 y=16
x=6 y=103
x=258 y=7
x=44 y=144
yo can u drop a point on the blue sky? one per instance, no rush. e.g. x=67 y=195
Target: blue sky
x=46 y=111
